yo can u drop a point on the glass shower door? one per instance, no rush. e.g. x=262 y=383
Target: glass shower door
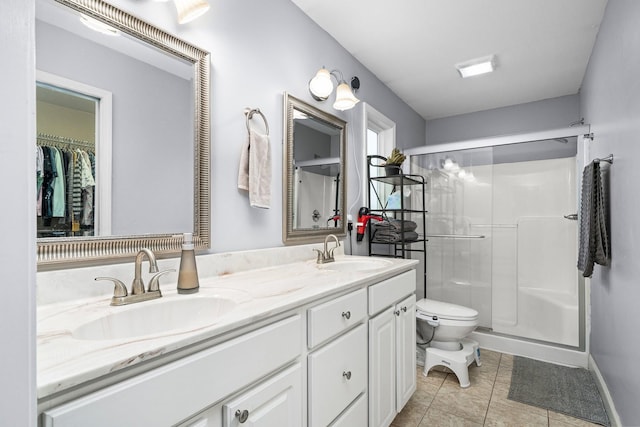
x=458 y=260
x=499 y=241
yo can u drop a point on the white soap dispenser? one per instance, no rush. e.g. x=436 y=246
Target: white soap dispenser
x=188 y=275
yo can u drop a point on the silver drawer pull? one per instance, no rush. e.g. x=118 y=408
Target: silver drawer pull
x=347 y=375
x=242 y=416
x=397 y=312
x=404 y=309
x=346 y=315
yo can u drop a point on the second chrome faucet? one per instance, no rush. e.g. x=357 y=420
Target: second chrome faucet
x=326 y=255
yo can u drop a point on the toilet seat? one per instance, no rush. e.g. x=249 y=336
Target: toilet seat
x=444 y=310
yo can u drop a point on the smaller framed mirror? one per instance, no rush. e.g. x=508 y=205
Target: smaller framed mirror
x=314 y=173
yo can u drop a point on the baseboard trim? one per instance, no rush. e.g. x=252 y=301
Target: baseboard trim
x=604 y=392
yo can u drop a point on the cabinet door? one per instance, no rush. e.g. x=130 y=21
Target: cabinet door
x=406 y=350
x=274 y=403
x=382 y=368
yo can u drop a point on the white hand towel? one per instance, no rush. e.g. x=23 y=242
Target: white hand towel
x=254 y=174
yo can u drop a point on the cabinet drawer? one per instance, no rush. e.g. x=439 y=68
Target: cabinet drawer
x=329 y=319
x=276 y=402
x=355 y=415
x=337 y=375
x=389 y=291
x=197 y=381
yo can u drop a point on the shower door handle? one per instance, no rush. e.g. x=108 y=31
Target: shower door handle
x=573 y=217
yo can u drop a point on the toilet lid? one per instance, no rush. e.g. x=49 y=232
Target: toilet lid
x=445 y=310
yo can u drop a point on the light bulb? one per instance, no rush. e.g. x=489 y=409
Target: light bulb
x=321 y=85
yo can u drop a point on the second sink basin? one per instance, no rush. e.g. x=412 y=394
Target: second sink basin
x=165 y=315
x=355 y=265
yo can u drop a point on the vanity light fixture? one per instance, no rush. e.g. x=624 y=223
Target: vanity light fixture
x=477 y=66
x=188 y=10
x=447 y=164
x=321 y=87
x=98 y=26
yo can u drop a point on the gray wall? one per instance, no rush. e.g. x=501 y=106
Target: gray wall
x=17 y=252
x=259 y=50
x=530 y=117
x=152 y=130
x=610 y=102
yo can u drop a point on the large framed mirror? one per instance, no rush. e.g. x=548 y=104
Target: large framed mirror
x=123 y=116
x=313 y=173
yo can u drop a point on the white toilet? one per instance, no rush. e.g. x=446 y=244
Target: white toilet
x=449 y=324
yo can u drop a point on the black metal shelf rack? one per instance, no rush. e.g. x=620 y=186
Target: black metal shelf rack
x=397 y=181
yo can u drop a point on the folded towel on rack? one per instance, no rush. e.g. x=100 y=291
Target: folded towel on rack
x=594 y=209
x=254 y=174
x=390 y=231
x=382 y=236
x=396 y=224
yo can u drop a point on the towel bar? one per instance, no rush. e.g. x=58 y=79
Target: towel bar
x=249 y=112
x=608 y=159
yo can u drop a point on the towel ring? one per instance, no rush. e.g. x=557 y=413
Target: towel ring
x=249 y=112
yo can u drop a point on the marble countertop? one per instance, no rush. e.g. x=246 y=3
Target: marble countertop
x=65 y=361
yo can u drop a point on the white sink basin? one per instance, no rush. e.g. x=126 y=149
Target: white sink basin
x=355 y=265
x=163 y=316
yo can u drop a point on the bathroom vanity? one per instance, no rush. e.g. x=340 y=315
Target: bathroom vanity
x=296 y=344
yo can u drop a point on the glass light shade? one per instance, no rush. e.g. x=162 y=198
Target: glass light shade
x=321 y=85
x=188 y=10
x=98 y=26
x=344 y=98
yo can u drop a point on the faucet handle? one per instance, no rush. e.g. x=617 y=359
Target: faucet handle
x=320 y=255
x=119 y=290
x=154 y=283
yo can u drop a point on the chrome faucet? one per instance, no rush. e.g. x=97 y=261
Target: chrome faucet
x=327 y=254
x=138 y=293
x=137 y=287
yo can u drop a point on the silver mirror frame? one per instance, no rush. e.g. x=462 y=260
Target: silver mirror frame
x=291 y=236
x=74 y=251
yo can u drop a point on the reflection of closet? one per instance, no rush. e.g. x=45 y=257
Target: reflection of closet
x=65 y=172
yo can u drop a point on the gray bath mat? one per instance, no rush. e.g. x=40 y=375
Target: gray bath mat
x=571 y=391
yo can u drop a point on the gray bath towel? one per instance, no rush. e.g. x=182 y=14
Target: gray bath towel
x=390 y=231
x=381 y=236
x=594 y=209
x=396 y=225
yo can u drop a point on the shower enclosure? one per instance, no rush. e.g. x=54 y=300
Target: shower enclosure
x=502 y=236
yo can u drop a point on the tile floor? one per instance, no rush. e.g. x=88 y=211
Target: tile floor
x=439 y=400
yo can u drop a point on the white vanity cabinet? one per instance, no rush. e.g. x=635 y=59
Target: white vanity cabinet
x=330 y=361
x=392 y=347
x=178 y=390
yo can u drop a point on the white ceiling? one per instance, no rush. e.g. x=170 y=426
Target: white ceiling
x=412 y=46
